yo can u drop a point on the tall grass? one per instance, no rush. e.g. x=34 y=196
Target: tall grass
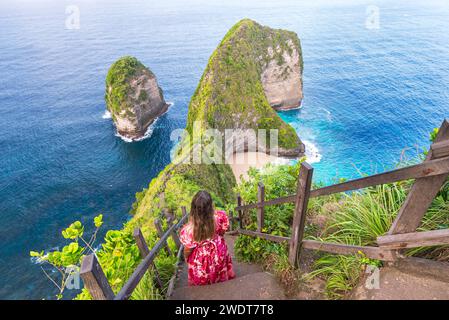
x=358 y=219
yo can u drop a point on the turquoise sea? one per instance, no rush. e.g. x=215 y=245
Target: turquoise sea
x=376 y=77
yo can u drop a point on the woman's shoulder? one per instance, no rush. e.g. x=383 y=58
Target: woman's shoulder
x=221 y=222
x=186 y=236
x=220 y=213
x=221 y=216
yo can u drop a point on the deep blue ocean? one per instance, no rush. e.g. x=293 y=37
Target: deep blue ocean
x=369 y=95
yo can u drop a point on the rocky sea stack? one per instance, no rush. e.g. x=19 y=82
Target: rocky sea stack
x=231 y=95
x=133 y=97
x=254 y=70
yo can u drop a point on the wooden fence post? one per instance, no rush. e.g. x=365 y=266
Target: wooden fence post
x=231 y=219
x=174 y=235
x=260 y=209
x=184 y=211
x=95 y=280
x=141 y=243
x=421 y=194
x=299 y=217
x=160 y=232
x=169 y=216
x=144 y=251
x=240 y=213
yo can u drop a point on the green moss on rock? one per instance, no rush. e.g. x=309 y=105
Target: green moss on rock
x=118 y=82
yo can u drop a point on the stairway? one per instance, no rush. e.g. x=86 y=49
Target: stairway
x=251 y=283
x=411 y=279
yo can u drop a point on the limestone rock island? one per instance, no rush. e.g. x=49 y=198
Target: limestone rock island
x=254 y=70
x=133 y=97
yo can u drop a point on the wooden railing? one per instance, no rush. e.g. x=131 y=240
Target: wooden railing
x=429 y=178
x=96 y=282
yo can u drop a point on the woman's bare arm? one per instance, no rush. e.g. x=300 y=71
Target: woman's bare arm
x=187 y=252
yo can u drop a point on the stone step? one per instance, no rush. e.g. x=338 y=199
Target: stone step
x=414 y=279
x=250 y=283
x=254 y=286
x=240 y=269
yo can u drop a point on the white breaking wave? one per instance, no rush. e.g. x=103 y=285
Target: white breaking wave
x=106 y=115
x=147 y=134
x=149 y=131
x=312 y=153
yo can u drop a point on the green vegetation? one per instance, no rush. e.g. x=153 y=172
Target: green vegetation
x=230 y=93
x=355 y=218
x=117 y=83
x=67 y=261
x=179 y=183
x=118 y=254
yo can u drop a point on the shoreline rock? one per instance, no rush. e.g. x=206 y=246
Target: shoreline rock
x=133 y=97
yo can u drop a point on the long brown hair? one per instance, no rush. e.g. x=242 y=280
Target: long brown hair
x=202 y=216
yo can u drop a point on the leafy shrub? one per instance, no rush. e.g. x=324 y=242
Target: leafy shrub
x=118 y=256
x=67 y=261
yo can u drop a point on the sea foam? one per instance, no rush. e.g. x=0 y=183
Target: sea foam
x=149 y=131
x=106 y=115
x=312 y=153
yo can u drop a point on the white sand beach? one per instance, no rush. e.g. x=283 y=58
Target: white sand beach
x=241 y=162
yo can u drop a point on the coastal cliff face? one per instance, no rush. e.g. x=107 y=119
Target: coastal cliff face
x=133 y=97
x=282 y=76
x=253 y=70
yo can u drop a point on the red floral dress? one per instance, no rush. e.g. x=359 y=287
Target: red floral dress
x=209 y=262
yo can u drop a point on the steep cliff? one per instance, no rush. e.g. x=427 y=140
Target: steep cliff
x=253 y=70
x=133 y=97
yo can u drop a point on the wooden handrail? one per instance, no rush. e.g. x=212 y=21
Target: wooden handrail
x=138 y=274
x=144 y=251
x=440 y=149
x=280 y=200
x=425 y=169
x=262 y=235
x=94 y=279
x=96 y=282
x=422 y=192
x=414 y=239
x=346 y=249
